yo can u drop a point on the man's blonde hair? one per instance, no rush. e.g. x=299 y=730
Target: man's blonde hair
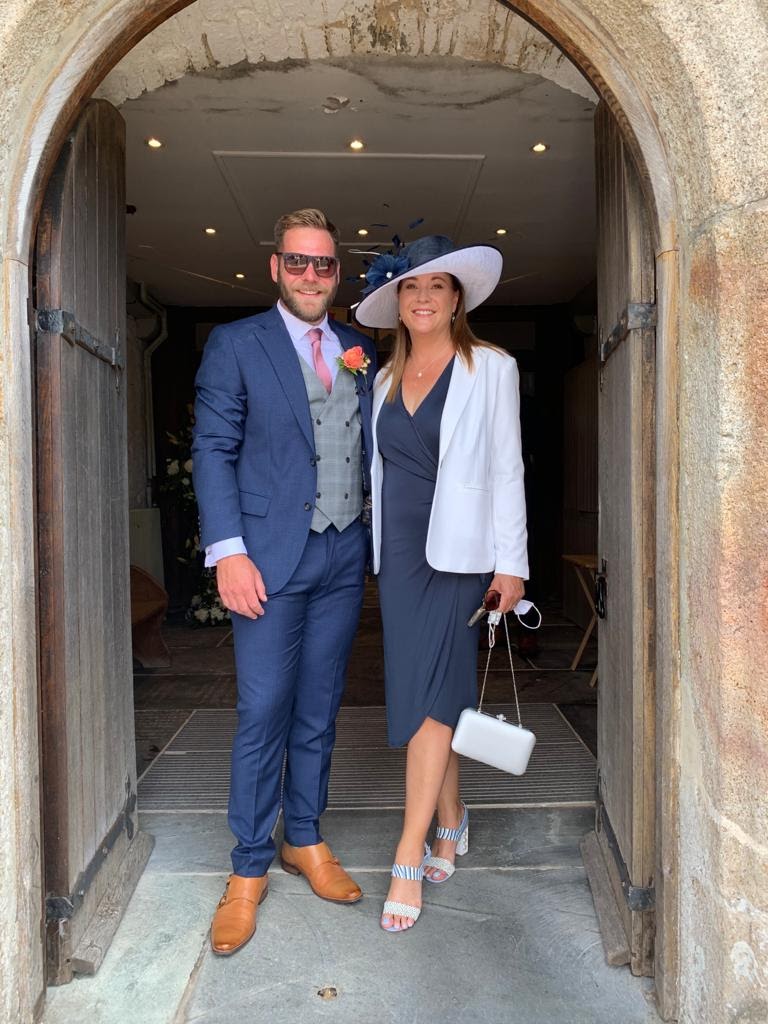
x=308 y=218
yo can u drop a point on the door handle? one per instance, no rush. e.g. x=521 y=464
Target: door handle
x=601 y=590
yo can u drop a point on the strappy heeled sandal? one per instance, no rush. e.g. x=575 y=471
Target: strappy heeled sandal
x=460 y=836
x=392 y=908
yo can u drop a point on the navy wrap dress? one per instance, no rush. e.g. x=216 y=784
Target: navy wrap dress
x=430 y=654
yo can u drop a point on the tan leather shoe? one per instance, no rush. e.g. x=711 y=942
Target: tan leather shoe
x=322 y=870
x=235 y=919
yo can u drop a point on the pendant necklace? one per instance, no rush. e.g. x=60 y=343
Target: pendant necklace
x=420 y=372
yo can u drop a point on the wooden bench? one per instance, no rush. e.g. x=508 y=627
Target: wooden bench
x=149 y=604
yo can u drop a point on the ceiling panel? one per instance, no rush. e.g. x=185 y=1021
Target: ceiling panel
x=451 y=144
x=320 y=178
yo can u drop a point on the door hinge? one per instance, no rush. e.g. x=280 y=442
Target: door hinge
x=62 y=908
x=639 y=897
x=59 y=321
x=58 y=908
x=637 y=316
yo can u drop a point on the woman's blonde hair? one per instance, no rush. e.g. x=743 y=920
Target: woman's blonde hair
x=462 y=336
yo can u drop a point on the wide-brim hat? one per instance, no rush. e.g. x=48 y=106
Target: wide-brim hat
x=477 y=267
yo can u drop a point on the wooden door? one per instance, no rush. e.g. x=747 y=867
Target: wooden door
x=626 y=539
x=92 y=850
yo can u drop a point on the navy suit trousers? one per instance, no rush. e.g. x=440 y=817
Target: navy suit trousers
x=291 y=671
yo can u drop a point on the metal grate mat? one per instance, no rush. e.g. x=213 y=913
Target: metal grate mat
x=193 y=772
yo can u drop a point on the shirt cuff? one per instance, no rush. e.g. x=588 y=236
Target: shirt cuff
x=222 y=549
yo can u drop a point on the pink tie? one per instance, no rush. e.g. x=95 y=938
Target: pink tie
x=321 y=367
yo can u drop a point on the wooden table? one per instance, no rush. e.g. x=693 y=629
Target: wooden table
x=585 y=567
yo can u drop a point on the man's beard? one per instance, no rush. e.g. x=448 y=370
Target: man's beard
x=291 y=302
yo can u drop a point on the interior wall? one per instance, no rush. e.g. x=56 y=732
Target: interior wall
x=689 y=79
x=137 y=424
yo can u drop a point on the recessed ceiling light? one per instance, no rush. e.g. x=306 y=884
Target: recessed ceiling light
x=539 y=147
x=154 y=143
x=362 y=231
x=240 y=277
x=361 y=276
x=357 y=145
x=210 y=231
x=501 y=231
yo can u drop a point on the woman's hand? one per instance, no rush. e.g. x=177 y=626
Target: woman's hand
x=511 y=589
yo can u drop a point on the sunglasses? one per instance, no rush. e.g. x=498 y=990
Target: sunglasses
x=297 y=262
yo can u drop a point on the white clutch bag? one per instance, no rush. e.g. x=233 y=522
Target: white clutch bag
x=492 y=739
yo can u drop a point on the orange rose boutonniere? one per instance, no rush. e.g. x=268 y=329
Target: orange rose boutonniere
x=354 y=359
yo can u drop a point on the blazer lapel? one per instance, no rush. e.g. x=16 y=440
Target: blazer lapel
x=276 y=342
x=459 y=389
x=379 y=394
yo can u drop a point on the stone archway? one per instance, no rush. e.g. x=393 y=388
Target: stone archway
x=96 y=50
x=372 y=27
x=686 y=84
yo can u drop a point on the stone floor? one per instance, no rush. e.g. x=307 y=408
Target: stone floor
x=511 y=938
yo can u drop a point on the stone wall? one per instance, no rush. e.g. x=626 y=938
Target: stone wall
x=211 y=35
x=691 y=78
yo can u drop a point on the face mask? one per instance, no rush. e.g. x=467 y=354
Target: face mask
x=522 y=608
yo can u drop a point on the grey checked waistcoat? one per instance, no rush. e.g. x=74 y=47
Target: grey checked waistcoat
x=338 y=449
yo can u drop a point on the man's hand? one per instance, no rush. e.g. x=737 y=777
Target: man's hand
x=511 y=589
x=241 y=587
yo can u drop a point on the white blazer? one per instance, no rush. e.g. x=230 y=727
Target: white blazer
x=477 y=523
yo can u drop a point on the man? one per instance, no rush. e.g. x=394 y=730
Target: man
x=281 y=436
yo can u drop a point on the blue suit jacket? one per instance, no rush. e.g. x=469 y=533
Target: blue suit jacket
x=254 y=449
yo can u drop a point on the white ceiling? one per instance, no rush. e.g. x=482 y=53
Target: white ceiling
x=447 y=140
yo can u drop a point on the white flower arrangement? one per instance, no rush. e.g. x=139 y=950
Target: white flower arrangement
x=205 y=607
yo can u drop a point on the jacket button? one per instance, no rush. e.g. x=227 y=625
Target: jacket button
x=307 y=506
x=313 y=462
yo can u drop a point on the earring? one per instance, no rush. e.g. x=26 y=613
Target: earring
x=453 y=318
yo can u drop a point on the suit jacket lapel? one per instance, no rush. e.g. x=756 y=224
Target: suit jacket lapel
x=459 y=389
x=276 y=342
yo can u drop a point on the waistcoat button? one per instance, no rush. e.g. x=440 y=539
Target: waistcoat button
x=320 y=423
x=318 y=495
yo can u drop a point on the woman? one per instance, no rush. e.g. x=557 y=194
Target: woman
x=448 y=524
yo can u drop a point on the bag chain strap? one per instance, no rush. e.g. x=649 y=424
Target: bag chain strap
x=491 y=644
